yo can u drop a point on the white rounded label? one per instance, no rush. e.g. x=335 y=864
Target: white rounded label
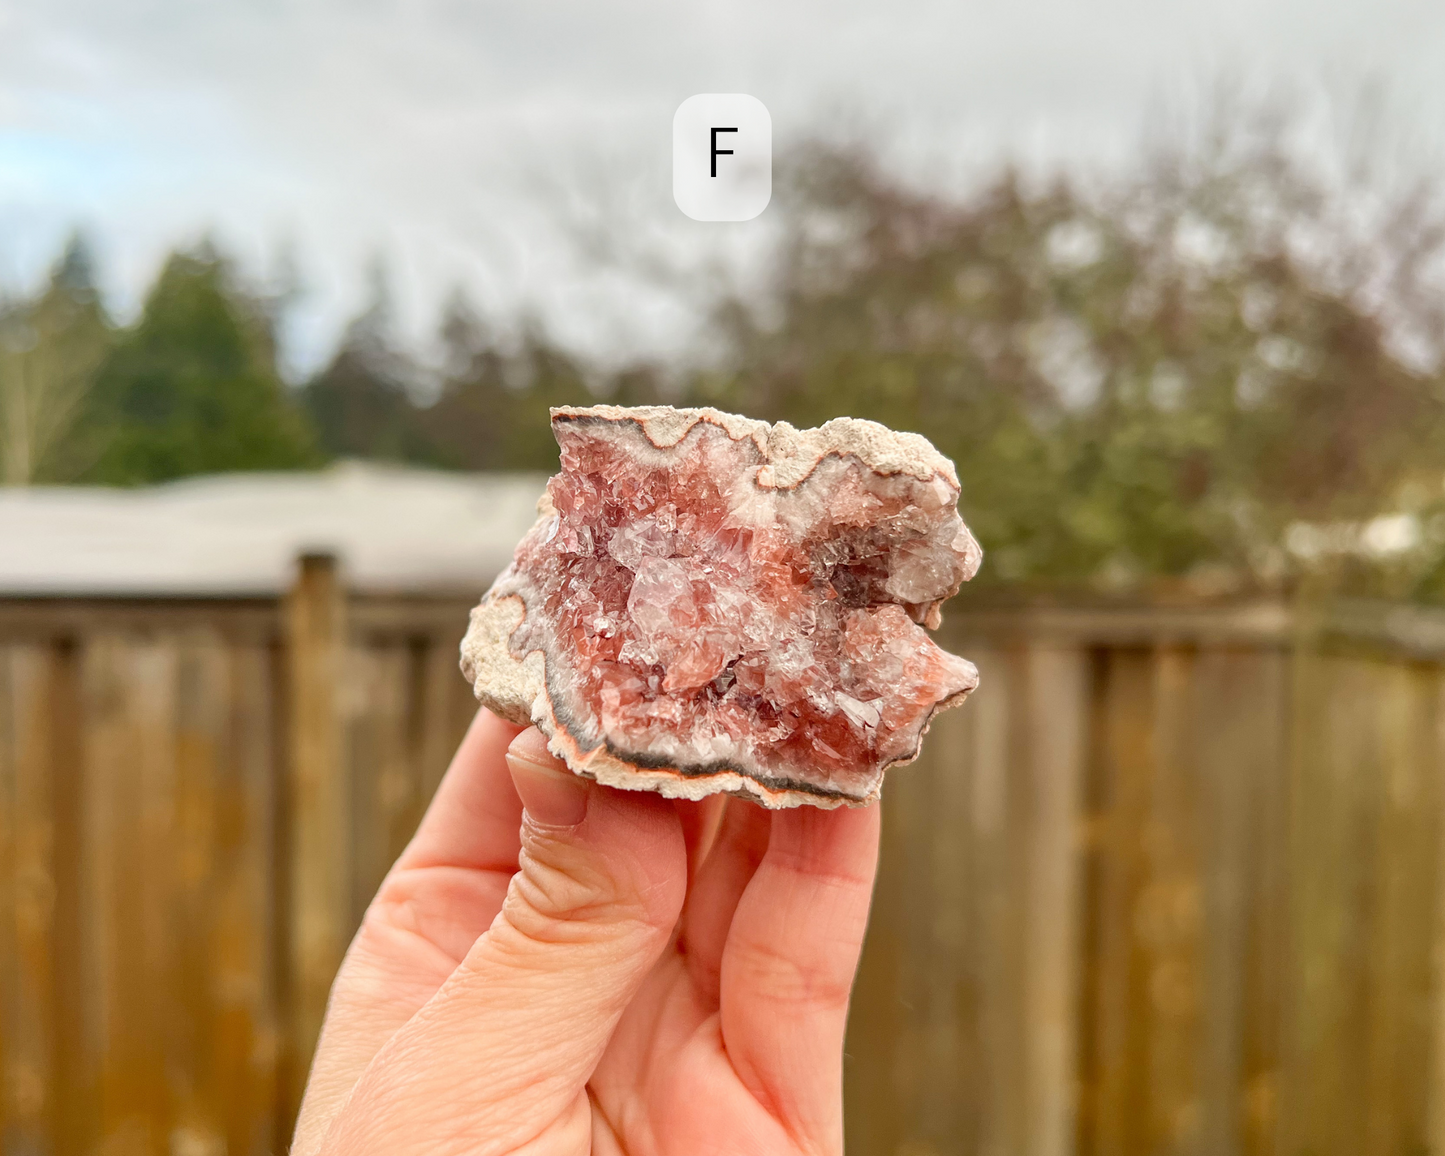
x=722 y=157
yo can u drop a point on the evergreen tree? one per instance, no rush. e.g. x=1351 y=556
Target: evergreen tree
x=493 y=409
x=539 y=375
x=193 y=387
x=362 y=403
x=471 y=422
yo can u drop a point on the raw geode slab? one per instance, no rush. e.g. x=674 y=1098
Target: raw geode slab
x=710 y=603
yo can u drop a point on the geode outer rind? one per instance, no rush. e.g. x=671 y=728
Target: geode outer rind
x=709 y=603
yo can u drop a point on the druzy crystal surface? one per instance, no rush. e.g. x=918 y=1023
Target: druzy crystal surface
x=708 y=603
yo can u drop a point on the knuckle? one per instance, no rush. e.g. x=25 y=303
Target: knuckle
x=559 y=896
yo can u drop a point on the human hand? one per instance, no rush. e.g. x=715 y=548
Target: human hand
x=605 y=971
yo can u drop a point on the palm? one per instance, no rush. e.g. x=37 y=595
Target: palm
x=666 y=1084
x=732 y=1042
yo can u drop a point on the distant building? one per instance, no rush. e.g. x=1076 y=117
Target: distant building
x=393 y=529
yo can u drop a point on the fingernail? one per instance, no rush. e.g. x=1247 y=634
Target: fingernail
x=552 y=796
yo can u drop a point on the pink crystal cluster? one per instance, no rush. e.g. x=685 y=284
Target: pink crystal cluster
x=697 y=618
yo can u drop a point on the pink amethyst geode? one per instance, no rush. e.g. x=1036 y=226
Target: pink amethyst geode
x=709 y=603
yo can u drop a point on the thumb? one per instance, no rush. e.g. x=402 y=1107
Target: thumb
x=505 y=1048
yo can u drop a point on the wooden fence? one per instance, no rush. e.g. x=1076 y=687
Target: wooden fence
x=1169 y=883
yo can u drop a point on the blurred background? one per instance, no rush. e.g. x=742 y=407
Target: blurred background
x=286 y=291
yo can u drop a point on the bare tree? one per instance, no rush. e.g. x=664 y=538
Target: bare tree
x=50 y=348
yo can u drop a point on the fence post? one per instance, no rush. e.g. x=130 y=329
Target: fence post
x=319 y=868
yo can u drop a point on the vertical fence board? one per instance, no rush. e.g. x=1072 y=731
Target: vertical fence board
x=997 y=859
x=1241 y=763
x=947 y=993
x=27 y=750
x=1057 y=689
x=436 y=674
x=445 y=702
x=1262 y=747
x=250 y=1040
x=319 y=862
x=1400 y=931
x=1333 y=852
x=197 y=894
x=383 y=781
x=12 y=1063
x=920 y=1098
x=1169 y=918
x=108 y=803
x=1119 y=1119
x=74 y=1113
x=462 y=707
x=876 y=1008
x=31 y=1026
x=1433 y=741
x=147 y=994
x=129 y=943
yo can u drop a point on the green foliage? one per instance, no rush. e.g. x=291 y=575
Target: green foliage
x=493 y=412
x=193 y=387
x=491 y=406
x=1154 y=383
x=361 y=404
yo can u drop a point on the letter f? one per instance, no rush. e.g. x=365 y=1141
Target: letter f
x=717 y=152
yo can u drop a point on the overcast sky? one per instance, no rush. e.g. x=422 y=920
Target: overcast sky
x=454 y=137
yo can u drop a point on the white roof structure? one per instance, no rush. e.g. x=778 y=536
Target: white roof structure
x=393 y=529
